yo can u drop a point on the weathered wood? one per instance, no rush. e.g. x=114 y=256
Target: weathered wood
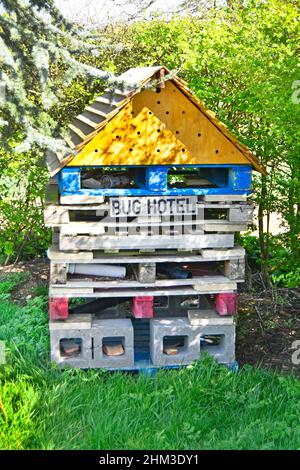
x=145 y=272
x=207 y=317
x=223 y=253
x=235 y=269
x=241 y=214
x=225 y=198
x=156 y=292
x=200 y=142
x=58 y=273
x=81 y=199
x=224 y=227
x=144 y=256
x=82 y=242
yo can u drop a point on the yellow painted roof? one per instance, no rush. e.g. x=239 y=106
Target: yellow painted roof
x=105 y=108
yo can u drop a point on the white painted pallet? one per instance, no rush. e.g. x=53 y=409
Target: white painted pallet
x=101 y=242
x=138 y=292
x=134 y=256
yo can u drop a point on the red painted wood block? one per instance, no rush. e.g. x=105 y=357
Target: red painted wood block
x=226 y=303
x=58 y=308
x=142 y=307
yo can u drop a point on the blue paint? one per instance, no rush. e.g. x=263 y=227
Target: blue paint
x=240 y=177
x=153 y=180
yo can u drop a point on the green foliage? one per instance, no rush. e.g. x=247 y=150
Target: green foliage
x=22 y=187
x=282 y=264
x=37 y=48
x=10 y=281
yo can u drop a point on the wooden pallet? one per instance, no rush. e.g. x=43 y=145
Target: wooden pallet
x=53 y=197
x=212 y=215
x=83 y=227
x=144 y=256
x=146 y=270
x=203 y=285
x=149 y=180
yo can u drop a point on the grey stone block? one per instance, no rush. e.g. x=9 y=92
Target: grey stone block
x=224 y=352
x=159 y=328
x=112 y=328
x=74 y=328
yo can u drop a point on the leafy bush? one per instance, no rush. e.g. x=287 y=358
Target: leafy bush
x=282 y=264
x=22 y=188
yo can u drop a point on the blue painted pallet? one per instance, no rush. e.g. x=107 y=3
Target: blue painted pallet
x=153 y=180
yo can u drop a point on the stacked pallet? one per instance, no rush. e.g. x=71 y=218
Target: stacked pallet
x=147 y=251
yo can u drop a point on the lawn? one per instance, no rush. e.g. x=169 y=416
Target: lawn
x=204 y=406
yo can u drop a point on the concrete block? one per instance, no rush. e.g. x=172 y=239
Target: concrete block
x=77 y=327
x=174 y=327
x=224 y=352
x=112 y=329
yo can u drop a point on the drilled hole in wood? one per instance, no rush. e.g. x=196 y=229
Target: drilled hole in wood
x=167 y=112
x=183 y=150
x=96 y=150
x=158 y=150
x=130 y=150
x=158 y=102
x=217 y=151
x=182 y=112
x=117 y=137
x=139 y=132
x=177 y=132
x=199 y=135
x=150 y=112
x=158 y=130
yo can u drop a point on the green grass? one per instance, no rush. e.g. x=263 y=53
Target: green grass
x=202 y=407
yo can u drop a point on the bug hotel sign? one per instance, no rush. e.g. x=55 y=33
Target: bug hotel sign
x=151 y=206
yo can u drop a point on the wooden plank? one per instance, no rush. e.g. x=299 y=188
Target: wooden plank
x=70 y=292
x=81 y=199
x=89 y=243
x=215 y=287
x=54 y=254
x=235 y=269
x=104 y=293
x=136 y=257
x=58 y=273
x=223 y=253
x=241 y=214
x=225 y=198
x=199 y=283
x=208 y=317
x=227 y=227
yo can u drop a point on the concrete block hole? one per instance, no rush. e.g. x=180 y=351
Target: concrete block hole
x=70 y=347
x=173 y=345
x=213 y=343
x=113 y=346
